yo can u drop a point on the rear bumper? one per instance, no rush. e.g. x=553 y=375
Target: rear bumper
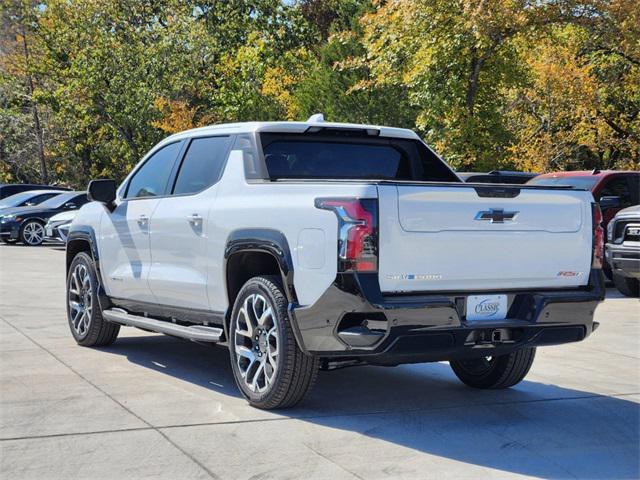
x=354 y=320
x=624 y=259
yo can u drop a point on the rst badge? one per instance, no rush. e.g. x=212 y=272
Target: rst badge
x=486 y=307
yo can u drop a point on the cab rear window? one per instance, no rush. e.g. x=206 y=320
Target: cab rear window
x=311 y=156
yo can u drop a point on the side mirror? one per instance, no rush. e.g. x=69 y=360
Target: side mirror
x=610 y=202
x=103 y=191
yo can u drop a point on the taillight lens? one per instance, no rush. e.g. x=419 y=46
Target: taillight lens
x=598 y=236
x=357 y=232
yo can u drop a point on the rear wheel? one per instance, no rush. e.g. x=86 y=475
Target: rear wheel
x=32 y=233
x=269 y=368
x=83 y=308
x=627 y=286
x=502 y=371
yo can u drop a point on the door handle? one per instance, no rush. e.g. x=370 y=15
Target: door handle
x=143 y=220
x=194 y=219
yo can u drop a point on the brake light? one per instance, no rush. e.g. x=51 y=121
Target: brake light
x=357 y=232
x=598 y=236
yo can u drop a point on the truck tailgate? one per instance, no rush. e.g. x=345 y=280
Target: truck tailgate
x=453 y=238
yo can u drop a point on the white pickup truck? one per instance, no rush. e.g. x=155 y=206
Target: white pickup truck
x=307 y=245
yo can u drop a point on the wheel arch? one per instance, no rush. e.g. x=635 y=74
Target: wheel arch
x=269 y=250
x=83 y=239
x=254 y=252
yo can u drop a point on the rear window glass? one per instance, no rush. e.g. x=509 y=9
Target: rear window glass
x=300 y=156
x=335 y=160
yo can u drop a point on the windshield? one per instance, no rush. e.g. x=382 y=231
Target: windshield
x=59 y=200
x=19 y=198
x=585 y=183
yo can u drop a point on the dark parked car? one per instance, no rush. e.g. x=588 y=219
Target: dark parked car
x=26 y=224
x=623 y=250
x=497 y=176
x=8 y=189
x=27 y=199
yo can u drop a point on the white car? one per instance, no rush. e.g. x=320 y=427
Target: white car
x=307 y=245
x=57 y=228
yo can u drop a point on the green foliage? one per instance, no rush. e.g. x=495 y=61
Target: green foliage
x=500 y=83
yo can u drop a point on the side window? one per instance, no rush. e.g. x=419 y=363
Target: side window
x=202 y=164
x=618 y=187
x=80 y=200
x=38 y=199
x=151 y=179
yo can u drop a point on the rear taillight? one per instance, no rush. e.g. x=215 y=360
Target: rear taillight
x=357 y=232
x=598 y=236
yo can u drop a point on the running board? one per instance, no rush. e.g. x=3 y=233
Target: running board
x=198 y=333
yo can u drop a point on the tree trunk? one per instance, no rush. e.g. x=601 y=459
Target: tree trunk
x=472 y=84
x=36 y=116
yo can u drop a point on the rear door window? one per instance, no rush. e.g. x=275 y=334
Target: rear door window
x=618 y=187
x=202 y=164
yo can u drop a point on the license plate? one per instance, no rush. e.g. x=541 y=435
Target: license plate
x=49 y=231
x=487 y=307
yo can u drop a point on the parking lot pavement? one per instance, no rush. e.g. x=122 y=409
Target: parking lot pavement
x=153 y=406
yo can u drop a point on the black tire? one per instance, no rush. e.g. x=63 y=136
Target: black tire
x=501 y=371
x=94 y=331
x=629 y=287
x=25 y=237
x=294 y=373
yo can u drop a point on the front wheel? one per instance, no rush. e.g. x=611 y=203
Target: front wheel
x=502 y=371
x=269 y=368
x=83 y=308
x=629 y=287
x=32 y=233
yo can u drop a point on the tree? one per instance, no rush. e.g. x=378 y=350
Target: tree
x=22 y=137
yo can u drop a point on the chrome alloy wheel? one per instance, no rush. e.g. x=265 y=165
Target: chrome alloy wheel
x=80 y=299
x=256 y=343
x=33 y=233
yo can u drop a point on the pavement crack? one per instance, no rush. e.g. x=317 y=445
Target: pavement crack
x=330 y=460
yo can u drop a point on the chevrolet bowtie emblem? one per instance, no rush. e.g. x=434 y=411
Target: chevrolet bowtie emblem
x=495 y=215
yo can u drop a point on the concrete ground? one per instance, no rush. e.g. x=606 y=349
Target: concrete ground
x=151 y=406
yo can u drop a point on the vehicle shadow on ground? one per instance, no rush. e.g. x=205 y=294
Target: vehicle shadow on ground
x=525 y=430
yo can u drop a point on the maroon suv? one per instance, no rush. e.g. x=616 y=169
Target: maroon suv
x=612 y=189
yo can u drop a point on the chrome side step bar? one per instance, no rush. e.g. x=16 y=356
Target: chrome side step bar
x=198 y=333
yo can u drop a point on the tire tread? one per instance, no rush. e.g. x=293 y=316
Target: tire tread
x=299 y=370
x=101 y=332
x=507 y=371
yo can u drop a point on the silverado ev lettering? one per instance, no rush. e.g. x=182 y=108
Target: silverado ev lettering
x=308 y=245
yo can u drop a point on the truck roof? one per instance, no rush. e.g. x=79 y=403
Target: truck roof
x=295 y=127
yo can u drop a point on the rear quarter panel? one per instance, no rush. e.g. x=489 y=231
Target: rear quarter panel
x=283 y=206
